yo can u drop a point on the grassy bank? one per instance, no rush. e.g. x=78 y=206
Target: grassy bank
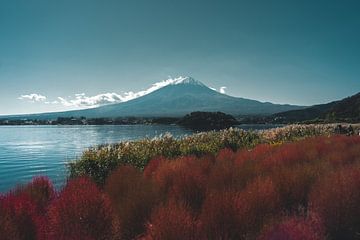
x=97 y=162
x=307 y=189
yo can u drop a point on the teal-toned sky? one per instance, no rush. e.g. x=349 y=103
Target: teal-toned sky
x=89 y=52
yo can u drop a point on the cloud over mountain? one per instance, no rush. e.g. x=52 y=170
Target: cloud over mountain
x=81 y=100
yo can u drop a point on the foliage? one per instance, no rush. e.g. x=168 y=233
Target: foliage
x=133 y=198
x=18 y=217
x=82 y=212
x=98 y=162
x=336 y=198
x=296 y=228
x=307 y=189
x=171 y=222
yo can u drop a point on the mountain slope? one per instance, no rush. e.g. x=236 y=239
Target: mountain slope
x=177 y=99
x=347 y=109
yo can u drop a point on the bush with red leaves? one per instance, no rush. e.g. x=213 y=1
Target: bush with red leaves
x=184 y=179
x=294 y=184
x=336 y=198
x=296 y=228
x=220 y=216
x=225 y=154
x=82 y=212
x=153 y=165
x=18 y=218
x=40 y=190
x=260 y=201
x=236 y=215
x=133 y=197
x=172 y=222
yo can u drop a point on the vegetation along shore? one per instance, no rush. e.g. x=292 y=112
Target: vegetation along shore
x=295 y=182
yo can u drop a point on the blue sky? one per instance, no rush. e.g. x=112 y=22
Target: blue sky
x=283 y=51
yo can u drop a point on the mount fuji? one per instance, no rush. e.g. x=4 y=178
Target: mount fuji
x=176 y=99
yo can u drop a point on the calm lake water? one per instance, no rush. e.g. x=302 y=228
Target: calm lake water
x=28 y=151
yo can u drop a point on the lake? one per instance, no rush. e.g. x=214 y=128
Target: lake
x=28 y=151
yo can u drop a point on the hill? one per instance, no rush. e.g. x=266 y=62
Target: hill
x=175 y=100
x=205 y=121
x=347 y=109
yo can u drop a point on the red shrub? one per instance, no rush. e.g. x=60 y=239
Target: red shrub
x=226 y=175
x=41 y=191
x=249 y=160
x=261 y=202
x=346 y=155
x=286 y=155
x=258 y=153
x=225 y=154
x=296 y=228
x=164 y=175
x=294 y=184
x=153 y=165
x=81 y=212
x=336 y=198
x=18 y=218
x=172 y=222
x=133 y=197
x=184 y=179
x=189 y=184
x=220 y=216
x=233 y=215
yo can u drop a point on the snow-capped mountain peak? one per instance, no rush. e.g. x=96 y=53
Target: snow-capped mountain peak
x=186 y=80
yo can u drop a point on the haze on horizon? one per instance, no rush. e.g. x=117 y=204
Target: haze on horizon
x=283 y=51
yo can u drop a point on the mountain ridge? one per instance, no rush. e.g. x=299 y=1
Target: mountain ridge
x=346 y=109
x=178 y=98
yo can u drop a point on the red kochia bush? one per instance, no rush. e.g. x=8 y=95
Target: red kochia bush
x=294 y=184
x=261 y=203
x=184 y=179
x=225 y=154
x=82 y=212
x=258 y=153
x=227 y=174
x=41 y=191
x=22 y=210
x=171 y=222
x=336 y=198
x=296 y=228
x=18 y=218
x=133 y=197
x=235 y=215
x=220 y=216
x=153 y=165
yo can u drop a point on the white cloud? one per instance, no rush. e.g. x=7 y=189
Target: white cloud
x=81 y=100
x=222 y=90
x=51 y=102
x=33 y=97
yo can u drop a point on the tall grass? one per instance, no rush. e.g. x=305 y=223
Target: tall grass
x=98 y=162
